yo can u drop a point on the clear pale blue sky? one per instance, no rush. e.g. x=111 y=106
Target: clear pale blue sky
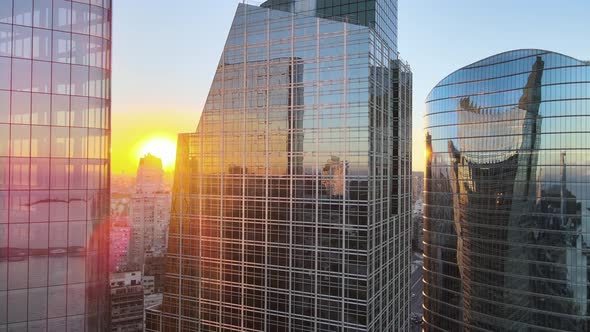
x=165 y=52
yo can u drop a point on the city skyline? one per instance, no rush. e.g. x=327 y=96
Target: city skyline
x=358 y=165
x=161 y=91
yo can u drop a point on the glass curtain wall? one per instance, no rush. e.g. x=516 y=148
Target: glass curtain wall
x=54 y=164
x=291 y=200
x=507 y=197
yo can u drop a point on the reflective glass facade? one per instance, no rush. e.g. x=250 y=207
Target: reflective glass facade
x=54 y=164
x=379 y=15
x=291 y=201
x=507 y=196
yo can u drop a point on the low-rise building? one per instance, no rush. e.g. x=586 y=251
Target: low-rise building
x=126 y=302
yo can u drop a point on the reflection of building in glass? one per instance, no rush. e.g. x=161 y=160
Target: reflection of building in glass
x=505 y=232
x=291 y=201
x=54 y=165
x=334 y=176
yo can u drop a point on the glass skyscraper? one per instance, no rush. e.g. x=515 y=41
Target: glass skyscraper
x=507 y=199
x=54 y=164
x=291 y=201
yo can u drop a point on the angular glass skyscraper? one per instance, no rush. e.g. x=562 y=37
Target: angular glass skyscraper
x=507 y=200
x=54 y=164
x=291 y=200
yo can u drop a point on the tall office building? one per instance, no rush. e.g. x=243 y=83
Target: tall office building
x=149 y=212
x=150 y=175
x=506 y=196
x=291 y=201
x=54 y=164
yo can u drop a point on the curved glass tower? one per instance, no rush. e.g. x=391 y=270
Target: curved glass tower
x=507 y=196
x=54 y=164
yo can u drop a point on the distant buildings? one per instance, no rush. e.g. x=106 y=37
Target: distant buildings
x=417 y=186
x=127 y=309
x=149 y=212
x=417 y=211
x=119 y=243
x=150 y=175
x=507 y=224
x=292 y=200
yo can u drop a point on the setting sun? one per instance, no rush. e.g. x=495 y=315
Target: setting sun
x=163 y=147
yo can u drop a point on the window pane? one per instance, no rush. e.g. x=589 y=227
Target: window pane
x=59 y=142
x=5 y=70
x=43 y=16
x=37 y=303
x=17 y=305
x=61 y=78
x=56 y=297
x=78 y=175
x=4 y=137
x=62 y=15
x=80 y=18
x=59 y=173
x=21 y=107
x=3 y=173
x=4 y=106
x=21 y=41
x=41 y=44
x=22 y=81
x=79 y=111
x=40 y=139
x=41 y=76
x=6 y=11
x=18 y=269
x=38 y=269
x=78 y=142
x=80 y=80
x=19 y=140
x=5 y=39
x=76 y=299
x=40 y=109
x=40 y=178
x=19 y=173
x=80 y=49
x=40 y=213
x=96 y=20
x=62 y=46
x=58 y=235
x=60 y=110
x=3 y=219
x=18 y=208
x=58 y=209
x=23 y=12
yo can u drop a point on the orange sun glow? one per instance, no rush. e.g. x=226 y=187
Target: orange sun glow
x=163 y=147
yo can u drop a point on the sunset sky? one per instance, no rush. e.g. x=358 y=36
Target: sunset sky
x=164 y=57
